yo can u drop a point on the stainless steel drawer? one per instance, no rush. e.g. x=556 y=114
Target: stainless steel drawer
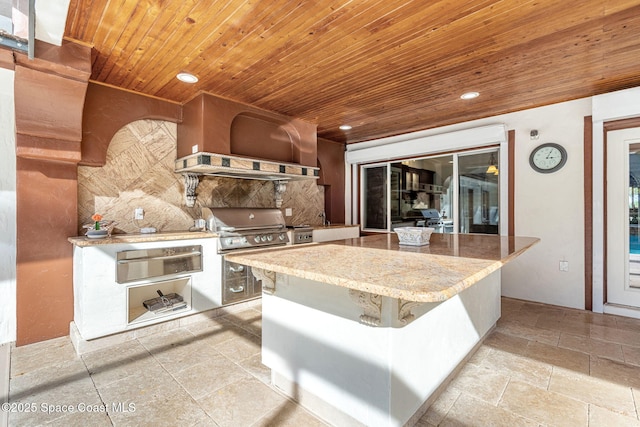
x=238 y=283
x=148 y=263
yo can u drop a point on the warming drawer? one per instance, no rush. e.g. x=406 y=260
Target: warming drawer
x=142 y=264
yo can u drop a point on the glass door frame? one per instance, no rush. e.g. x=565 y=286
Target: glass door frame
x=621 y=297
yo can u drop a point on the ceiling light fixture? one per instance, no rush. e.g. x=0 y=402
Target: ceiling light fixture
x=345 y=127
x=469 y=95
x=187 y=77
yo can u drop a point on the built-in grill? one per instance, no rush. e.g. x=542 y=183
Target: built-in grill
x=241 y=229
x=433 y=218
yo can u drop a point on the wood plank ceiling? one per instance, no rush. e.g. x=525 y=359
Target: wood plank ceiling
x=385 y=67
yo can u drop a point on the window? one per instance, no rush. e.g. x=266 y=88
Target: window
x=14 y=24
x=451 y=193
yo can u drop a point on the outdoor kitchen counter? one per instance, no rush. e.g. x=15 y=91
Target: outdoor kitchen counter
x=363 y=331
x=379 y=265
x=83 y=241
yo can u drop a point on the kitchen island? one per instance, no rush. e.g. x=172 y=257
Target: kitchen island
x=365 y=331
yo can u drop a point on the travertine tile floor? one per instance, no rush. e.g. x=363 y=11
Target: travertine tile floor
x=541 y=366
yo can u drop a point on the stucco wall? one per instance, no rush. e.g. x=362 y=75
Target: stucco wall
x=549 y=206
x=7 y=209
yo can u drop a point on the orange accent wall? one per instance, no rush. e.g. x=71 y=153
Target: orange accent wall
x=46 y=209
x=107 y=109
x=49 y=97
x=331 y=163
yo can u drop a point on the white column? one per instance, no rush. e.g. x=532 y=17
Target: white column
x=7 y=208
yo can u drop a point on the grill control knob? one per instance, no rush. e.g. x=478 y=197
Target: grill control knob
x=281 y=236
x=243 y=240
x=256 y=239
x=263 y=238
x=229 y=241
x=270 y=237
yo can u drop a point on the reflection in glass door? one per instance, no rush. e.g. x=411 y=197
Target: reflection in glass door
x=479 y=196
x=374 y=207
x=456 y=193
x=421 y=193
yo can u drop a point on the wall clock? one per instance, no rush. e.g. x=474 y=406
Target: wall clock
x=547 y=158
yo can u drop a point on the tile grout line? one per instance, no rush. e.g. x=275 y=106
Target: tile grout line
x=235 y=362
x=635 y=404
x=95 y=387
x=212 y=348
x=174 y=378
x=244 y=327
x=509 y=411
x=451 y=407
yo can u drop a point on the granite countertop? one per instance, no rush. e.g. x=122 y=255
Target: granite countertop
x=379 y=265
x=83 y=241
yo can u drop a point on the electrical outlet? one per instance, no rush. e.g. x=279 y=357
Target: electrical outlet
x=194 y=149
x=564 y=265
x=288 y=212
x=138 y=213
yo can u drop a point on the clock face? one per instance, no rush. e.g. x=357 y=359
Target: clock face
x=548 y=158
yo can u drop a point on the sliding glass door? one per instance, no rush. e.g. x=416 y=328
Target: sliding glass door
x=453 y=193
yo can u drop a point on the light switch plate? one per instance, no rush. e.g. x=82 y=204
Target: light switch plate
x=288 y=212
x=564 y=265
x=138 y=213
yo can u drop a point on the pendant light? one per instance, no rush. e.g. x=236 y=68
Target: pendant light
x=492 y=166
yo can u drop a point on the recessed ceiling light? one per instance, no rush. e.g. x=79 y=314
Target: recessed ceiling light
x=469 y=95
x=187 y=77
x=345 y=127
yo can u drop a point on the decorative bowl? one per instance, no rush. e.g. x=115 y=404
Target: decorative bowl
x=106 y=227
x=414 y=236
x=97 y=234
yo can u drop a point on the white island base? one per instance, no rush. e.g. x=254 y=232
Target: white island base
x=355 y=358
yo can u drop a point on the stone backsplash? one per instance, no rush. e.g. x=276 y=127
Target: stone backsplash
x=139 y=174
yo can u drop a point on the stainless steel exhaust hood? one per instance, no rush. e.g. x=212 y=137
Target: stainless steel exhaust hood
x=194 y=166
